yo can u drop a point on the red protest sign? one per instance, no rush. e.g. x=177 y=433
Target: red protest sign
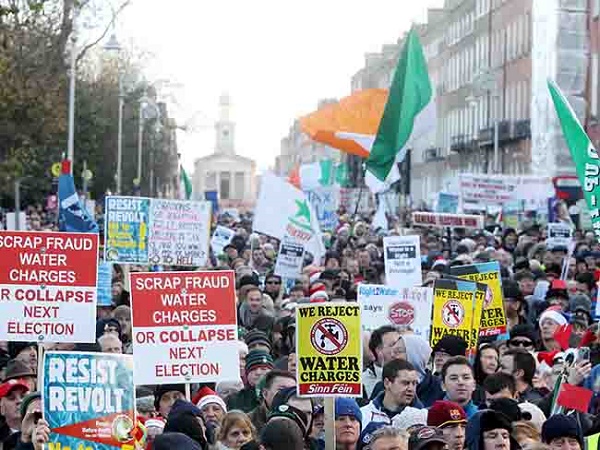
x=184 y=327
x=48 y=286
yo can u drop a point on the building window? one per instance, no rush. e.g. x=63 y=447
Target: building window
x=240 y=185
x=210 y=183
x=225 y=186
x=595 y=8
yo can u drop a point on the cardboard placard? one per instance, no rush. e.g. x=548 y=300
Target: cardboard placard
x=184 y=327
x=402 y=256
x=329 y=350
x=403 y=307
x=48 y=286
x=88 y=400
x=155 y=231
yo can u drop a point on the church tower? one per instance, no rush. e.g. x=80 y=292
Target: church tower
x=225 y=128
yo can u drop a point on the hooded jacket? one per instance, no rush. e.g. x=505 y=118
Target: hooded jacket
x=418 y=352
x=376 y=412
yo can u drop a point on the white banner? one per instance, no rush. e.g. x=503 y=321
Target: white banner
x=284 y=210
x=559 y=235
x=220 y=238
x=324 y=201
x=289 y=259
x=407 y=307
x=484 y=190
x=402 y=255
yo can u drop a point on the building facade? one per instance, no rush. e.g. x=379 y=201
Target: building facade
x=489 y=61
x=231 y=175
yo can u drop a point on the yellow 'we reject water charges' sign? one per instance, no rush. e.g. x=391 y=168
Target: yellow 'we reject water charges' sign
x=453 y=309
x=329 y=350
x=493 y=319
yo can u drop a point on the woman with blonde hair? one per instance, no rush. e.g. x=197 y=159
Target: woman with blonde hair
x=236 y=430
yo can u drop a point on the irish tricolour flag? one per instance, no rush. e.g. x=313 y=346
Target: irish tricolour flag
x=408 y=113
x=185 y=185
x=379 y=125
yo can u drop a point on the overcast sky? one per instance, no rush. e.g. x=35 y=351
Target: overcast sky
x=276 y=58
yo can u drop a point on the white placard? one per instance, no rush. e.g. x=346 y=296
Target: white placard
x=407 y=307
x=220 y=238
x=559 y=235
x=402 y=255
x=290 y=259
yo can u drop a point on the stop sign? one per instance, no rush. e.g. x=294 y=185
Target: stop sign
x=402 y=313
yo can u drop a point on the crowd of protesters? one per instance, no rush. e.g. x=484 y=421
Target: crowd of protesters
x=414 y=397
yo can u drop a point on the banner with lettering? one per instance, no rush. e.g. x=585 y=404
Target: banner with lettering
x=482 y=190
x=48 y=286
x=156 y=231
x=88 y=400
x=559 y=235
x=440 y=220
x=290 y=258
x=184 y=327
x=409 y=308
x=402 y=257
x=324 y=201
x=447 y=203
x=453 y=310
x=493 y=318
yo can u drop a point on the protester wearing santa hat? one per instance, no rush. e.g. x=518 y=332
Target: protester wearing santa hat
x=212 y=406
x=549 y=322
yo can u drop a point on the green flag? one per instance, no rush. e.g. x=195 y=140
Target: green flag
x=583 y=153
x=185 y=185
x=410 y=93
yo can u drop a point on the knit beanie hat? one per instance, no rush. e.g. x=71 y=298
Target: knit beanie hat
x=257 y=337
x=171 y=441
x=444 y=412
x=256 y=359
x=452 y=345
x=162 y=389
x=293 y=413
x=523 y=330
x=410 y=417
x=206 y=396
x=347 y=407
x=492 y=420
x=561 y=425
x=14 y=348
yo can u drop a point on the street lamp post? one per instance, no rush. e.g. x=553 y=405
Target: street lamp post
x=114 y=46
x=72 y=82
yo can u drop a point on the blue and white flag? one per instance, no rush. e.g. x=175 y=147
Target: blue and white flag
x=73 y=217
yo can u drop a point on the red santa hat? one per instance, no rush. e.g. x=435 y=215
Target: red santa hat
x=206 y=396
x=318 y=293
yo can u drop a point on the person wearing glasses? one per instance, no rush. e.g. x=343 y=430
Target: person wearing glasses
x=273 y=286
x=523 y=336
x=521 y=365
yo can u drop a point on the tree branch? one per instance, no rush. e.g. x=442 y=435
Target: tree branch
x=85 y=49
